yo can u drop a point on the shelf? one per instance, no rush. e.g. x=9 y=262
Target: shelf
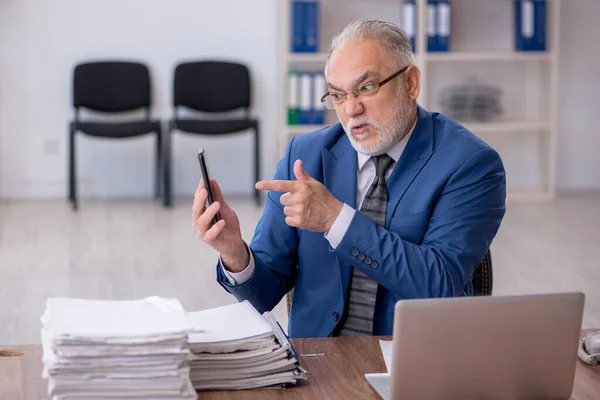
x=531 y=121
x=449 y=56
x=307 y=57
x=489 y=56
x=506 y=126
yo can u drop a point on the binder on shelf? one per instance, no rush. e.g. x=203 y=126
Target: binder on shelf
x=409 y=20
x=293 y=97
x=311 y=25
x=305 y=97
x=318 y=90
x=540 y=19
x=305 y=89
x=297 y=31
x=443 y=25
x=304 y=26
x=524 y=25
x=432 y=41
x=530 y=25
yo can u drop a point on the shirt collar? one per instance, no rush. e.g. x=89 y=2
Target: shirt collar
x=395 y=152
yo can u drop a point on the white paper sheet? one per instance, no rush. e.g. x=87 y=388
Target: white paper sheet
x=116 y=349
x=386 y=350
x=151 y=317
x=237 y=322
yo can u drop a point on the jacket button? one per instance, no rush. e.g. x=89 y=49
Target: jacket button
x=335 y=316
x=360 y=256
x=367 y=261
x=354 y=252
x=374 y=264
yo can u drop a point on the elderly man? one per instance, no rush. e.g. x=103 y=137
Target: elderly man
x=394 y=202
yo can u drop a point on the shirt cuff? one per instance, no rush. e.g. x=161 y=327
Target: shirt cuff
x=238 y=278
x=340 y=226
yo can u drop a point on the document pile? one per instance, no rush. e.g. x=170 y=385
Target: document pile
x=237 y=348
x=137 y=349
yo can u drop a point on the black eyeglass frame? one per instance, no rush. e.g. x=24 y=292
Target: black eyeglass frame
x=379 y=85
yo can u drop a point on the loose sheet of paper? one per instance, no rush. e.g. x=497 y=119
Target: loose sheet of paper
x=386 y=350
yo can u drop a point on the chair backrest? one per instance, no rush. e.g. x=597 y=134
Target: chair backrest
x=212 y=86
x=483 y=277
x=111 y=86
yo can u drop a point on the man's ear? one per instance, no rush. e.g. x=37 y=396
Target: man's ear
x=412 y=81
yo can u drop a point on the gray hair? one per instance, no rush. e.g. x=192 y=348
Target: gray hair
x=393 y=39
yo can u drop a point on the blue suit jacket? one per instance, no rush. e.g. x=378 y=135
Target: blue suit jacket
x=446 y=202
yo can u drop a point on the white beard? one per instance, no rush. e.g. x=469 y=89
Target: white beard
x=387 y=134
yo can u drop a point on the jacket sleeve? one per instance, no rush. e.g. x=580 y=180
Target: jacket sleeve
x=465 y=219
x=274 y=246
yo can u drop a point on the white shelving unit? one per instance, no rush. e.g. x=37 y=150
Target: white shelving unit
x=541 y=122
x=487 y=56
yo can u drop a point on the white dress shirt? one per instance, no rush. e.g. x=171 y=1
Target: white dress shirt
x=365 y=176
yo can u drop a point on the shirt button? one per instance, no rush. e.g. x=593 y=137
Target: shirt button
x=374 y=264
x=367 y=260
x=335 y=316
x=361 y=256
x=354 y=252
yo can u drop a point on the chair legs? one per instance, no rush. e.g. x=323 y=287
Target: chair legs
x=72 y=178
x=257 y=197
x=161 y=172
x=158 y=165
x=166 y=166
x=163 y=166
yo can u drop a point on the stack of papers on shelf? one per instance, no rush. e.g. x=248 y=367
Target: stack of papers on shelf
x=237 y=348
x=95 y=349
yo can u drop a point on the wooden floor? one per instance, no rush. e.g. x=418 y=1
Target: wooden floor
x=125 y=249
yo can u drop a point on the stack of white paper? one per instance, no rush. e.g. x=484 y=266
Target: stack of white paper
x=96 y=349
x=237 y=348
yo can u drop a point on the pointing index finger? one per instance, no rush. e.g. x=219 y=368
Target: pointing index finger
x=279 y=186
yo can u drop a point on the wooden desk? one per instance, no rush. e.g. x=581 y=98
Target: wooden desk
x=337 y=375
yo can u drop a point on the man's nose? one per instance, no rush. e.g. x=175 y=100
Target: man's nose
x=353 y=106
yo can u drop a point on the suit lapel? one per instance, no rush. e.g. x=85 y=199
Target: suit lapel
x=339 y=171
x=339 y=177
x=417 y=152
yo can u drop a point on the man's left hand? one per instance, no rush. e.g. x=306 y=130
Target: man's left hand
x=307 y=204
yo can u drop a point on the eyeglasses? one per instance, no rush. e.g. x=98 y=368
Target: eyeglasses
x=336 y=99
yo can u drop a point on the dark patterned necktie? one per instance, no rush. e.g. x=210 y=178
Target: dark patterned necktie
x=363 y=290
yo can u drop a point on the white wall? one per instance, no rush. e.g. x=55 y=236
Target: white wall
x=579 y=137
x=41 y=41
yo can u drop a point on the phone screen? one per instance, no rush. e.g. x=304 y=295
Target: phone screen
x=206 y=178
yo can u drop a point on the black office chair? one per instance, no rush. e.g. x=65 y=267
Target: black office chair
x=211 y=87
x=483 y=278
x=112 y=87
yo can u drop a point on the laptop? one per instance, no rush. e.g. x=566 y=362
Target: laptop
x=498 y=347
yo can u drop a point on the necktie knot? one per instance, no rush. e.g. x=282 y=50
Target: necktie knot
x=382 y=164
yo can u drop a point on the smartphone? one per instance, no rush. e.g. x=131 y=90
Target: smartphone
x=206 y=178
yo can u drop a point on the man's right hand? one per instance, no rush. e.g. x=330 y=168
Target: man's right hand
x=224 y=236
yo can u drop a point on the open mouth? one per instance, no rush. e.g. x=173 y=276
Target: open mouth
x=360 y=129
